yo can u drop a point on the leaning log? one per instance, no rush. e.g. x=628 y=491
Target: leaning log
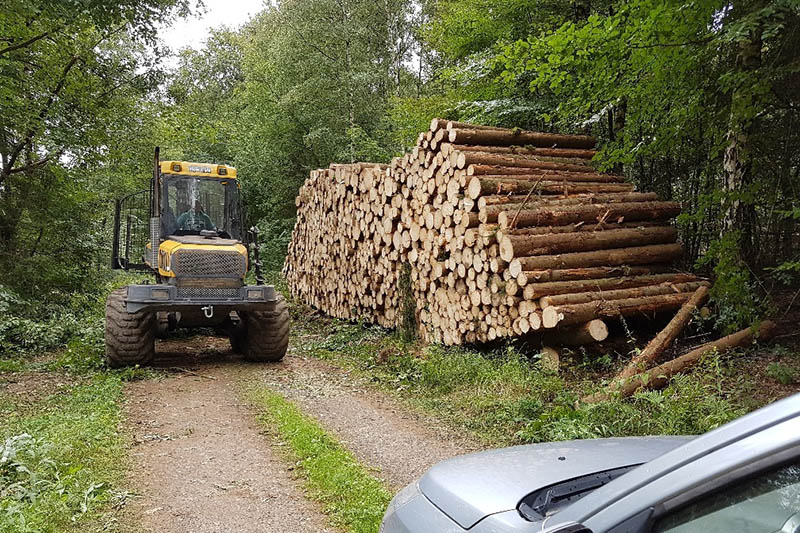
x=537 y=290
x=661 y=341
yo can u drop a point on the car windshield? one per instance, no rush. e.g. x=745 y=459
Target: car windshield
x=193 y=204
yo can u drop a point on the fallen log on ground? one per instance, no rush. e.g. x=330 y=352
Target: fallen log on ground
x=657 y=377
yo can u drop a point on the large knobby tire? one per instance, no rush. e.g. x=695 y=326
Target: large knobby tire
x=267 y=335
x=130 y=337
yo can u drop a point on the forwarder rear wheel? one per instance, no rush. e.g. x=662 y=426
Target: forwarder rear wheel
x=267 y=335
x=130 y=337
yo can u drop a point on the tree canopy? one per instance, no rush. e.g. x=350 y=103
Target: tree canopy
x=696 y=101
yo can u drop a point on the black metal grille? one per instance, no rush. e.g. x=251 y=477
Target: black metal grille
x=207 y=292
x=132 y=231
x=206 y=264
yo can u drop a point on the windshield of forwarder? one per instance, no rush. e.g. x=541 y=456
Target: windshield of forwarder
x=194 y=204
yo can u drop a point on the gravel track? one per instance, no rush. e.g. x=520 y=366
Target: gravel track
x=202 y=464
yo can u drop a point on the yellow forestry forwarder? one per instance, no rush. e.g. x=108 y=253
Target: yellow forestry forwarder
x=188 y=229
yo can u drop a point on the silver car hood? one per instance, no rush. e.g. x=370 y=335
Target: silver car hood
x=470 y=487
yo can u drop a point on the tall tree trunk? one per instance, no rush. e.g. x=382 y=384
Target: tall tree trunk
x=738 y=216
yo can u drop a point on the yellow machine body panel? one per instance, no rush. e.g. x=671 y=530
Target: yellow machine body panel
x=205 y=170
x=169 y=247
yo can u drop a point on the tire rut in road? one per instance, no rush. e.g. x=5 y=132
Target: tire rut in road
x=380 y=432
x=200 y=461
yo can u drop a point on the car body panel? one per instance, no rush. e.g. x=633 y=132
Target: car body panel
x=470 y=487
x=744 y=441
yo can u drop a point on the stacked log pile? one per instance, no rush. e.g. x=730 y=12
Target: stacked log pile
x=341 y=258
x=506 y=232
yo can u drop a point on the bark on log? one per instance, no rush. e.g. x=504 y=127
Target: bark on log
x=499 y=184
x=636 y=255
x=567 y=153
x=620 y=294
x=541 y=277
x=512 y=246
x=590 y=213
x=536 y=173
x=565 y=315
x=466 y=158
x=502 y=138
x=536 y=290
x=536 y=200
x=657 y=377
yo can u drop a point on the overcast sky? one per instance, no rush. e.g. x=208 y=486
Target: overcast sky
x=194 y=30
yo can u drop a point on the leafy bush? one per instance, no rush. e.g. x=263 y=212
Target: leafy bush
x=734 y=292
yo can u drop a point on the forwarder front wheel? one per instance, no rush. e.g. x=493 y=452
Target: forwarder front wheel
x=130 y=337
x=267 y=335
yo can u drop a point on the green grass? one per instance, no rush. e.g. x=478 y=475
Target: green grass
x=352 y=498
x=505 y=397
x=61 y=458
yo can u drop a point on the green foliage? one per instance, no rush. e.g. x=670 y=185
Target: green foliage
x=353 y=499
x=782 y=373
x=734 y=293
x=59 y=464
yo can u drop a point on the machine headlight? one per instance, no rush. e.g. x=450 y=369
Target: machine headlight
x=255 y=294
x=159 y=294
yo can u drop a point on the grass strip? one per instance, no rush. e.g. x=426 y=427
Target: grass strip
x=61 y=458
x=352 y=498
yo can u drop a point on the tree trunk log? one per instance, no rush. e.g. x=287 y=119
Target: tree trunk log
x=499 y=184
x=565 y=315
x=590 y=213
x=534 y=291
x=637 y=255
x=586 y=333
x=521 y=138
x=620 y=294
x=512 y=246
x=540 y=277
x=566 y=153
x=543 y=173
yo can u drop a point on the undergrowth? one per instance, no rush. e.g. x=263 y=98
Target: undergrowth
x=507 y=397
x=59 y=465
x=61 y=452
x=352 y=498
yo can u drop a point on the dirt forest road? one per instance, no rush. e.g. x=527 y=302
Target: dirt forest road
x=201 y=462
